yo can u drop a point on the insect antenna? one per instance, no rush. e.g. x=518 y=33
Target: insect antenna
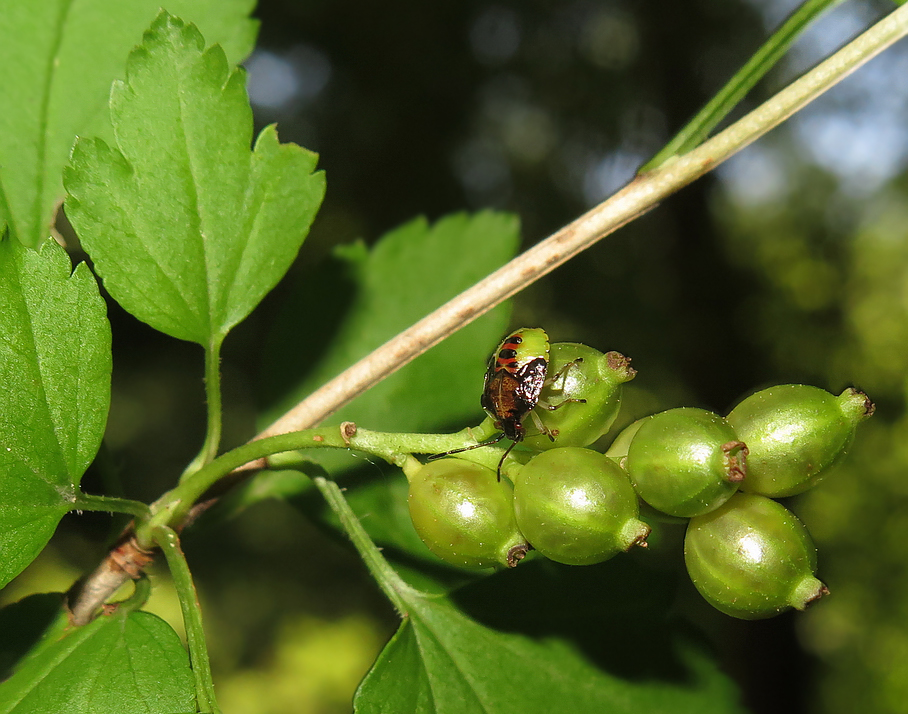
x=490 y=442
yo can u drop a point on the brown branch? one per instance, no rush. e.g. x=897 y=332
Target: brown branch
x=636 y=198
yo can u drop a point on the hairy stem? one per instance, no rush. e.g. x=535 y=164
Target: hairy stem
x=167 y=539
x=172 y=508
x=388 y=580
x=110 y=504
x=213 y=400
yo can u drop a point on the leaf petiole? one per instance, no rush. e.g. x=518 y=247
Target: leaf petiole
x=213 y=400
x=169 y=543
x=386 y=577
x=89 y=502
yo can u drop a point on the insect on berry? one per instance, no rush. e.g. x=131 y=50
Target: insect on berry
x=514 y=380
x=517 y=372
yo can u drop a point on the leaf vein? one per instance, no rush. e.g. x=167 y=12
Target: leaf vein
x=53 y=61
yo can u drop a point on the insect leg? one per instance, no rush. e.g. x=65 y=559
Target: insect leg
x=543 y=429
x=562 y=375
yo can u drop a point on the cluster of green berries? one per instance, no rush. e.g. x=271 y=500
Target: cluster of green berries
x=747 y=554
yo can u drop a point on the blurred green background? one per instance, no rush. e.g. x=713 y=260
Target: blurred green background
x=788 y=264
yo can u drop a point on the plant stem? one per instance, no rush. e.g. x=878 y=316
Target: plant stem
x=742 y=82
x=169 y=543
x=386 y=577
x=88 y=502
x=642 y=194
x=171 y=508
x=213 y=401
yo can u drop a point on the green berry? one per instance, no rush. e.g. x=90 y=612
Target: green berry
x=581 y=395
x=686 y=462
x=752 y=558
x=795 y=434
x=619 y=447
x=465 y=515
x=577 y=506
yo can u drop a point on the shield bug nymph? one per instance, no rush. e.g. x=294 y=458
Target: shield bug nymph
x=514 y=380
x=517 y=373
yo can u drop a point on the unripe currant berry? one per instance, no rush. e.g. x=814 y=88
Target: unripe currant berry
x=621 y=444
x=686 y=462
x=465 y=515
x=795 y=434
x=752 y=558
x=581 y=395
x=577 y=506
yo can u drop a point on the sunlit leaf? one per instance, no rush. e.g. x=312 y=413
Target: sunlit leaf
x=408 y=273
x=59 y=59
x=187 y=227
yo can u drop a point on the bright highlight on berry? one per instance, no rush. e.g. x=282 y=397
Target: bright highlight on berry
x=577 y=506
x=686 y=462
x=746 y=554
x=752 y=558
x=464 y=515
x=796 y=435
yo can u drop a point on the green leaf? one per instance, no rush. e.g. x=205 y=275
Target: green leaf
x=123 y=663
x=726 y=99
x=22 y=624
x=542 y=637
x=187 y=228
x=58 y=59
x=410 y=271
x=55 y=368
x=546 y=638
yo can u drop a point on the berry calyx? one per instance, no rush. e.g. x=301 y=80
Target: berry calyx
x=581 y=396
x=796 y=434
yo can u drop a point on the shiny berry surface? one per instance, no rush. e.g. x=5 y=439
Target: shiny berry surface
x=796 y=434
x=581 y=396
x=464 y=514
x=577 y=506
x=752 y=558
x=686 y=462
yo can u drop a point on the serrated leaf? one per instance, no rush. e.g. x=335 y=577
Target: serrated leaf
x=187 y=228
x=55 y=365
x=410 y=271
x=123 y=663
x=59 y=59
x=545 y=639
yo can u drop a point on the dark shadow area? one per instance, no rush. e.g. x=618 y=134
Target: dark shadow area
x=307 y=311
x=22 y=624
x=616 y=613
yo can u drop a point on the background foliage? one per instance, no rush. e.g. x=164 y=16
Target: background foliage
x=790 y=264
